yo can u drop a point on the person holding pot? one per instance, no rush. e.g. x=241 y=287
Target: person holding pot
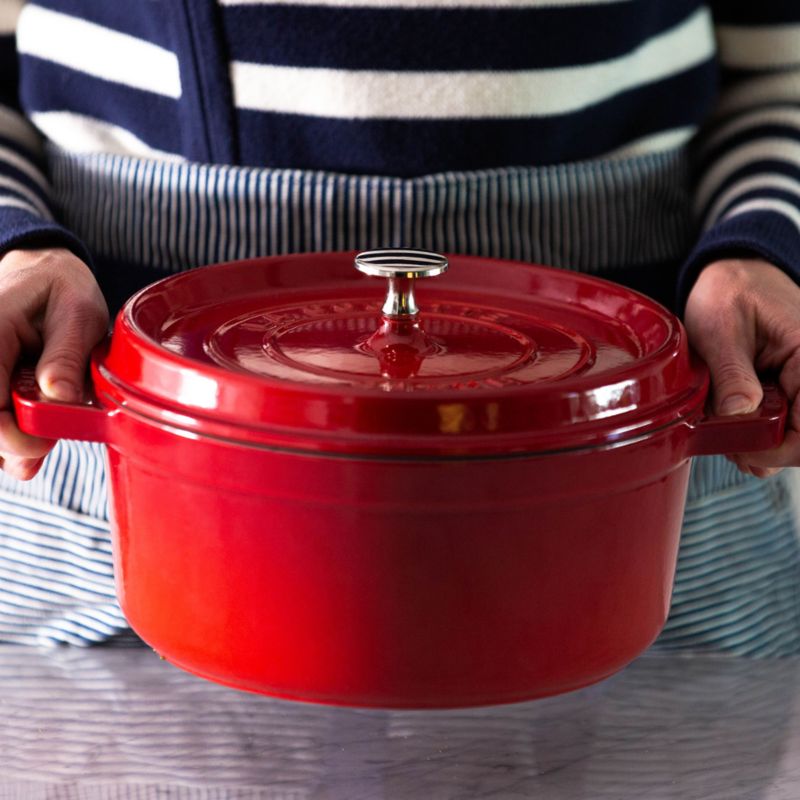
x=587 y=135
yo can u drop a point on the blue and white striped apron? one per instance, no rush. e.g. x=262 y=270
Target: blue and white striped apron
x=738 y=582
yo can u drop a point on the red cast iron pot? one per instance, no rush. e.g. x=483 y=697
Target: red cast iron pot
x=317 y=498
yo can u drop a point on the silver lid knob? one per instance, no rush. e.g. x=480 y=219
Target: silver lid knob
x=401 y=268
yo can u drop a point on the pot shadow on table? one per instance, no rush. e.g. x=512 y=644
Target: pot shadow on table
x=119 y=723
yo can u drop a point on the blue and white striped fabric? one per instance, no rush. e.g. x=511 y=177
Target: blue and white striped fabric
x=739 y=572
x=546 y=130
x=737 y=586
x=56 y=582
x=171 y=216
x=370 y=87
x=409 y=88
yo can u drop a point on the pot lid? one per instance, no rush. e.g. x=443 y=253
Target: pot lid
x=355 y=353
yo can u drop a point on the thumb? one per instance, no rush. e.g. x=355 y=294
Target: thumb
x=70 y=330
x=736 y=387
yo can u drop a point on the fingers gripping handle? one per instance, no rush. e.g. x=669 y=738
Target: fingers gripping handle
x=743 y=433
x=37 y=415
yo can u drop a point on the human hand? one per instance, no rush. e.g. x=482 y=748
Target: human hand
x=743 y=316
x=49 y=302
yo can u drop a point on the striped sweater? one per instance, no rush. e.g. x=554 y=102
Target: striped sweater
x=413 y=87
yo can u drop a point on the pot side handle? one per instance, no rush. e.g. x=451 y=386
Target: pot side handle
x=763 y=429
x=37 y=415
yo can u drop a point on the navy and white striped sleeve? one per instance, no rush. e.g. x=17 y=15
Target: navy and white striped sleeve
x=26 y=213
x=747 y=196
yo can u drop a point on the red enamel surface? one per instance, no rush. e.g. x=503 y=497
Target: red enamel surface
x=352 y=510
x=392 y=582
x=508 y=357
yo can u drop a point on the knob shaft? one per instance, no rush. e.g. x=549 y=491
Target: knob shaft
x=401 y=268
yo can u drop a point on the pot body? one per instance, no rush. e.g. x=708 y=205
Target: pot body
x=479 y=506
x=391 y=582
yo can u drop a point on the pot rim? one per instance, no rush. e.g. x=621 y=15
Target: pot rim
x=118 y=399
